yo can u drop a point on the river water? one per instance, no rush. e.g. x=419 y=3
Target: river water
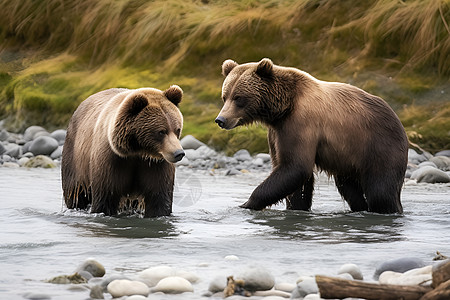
x=40 y=239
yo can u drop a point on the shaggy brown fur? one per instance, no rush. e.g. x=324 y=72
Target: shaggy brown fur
x=343 y=130
x=119 y=143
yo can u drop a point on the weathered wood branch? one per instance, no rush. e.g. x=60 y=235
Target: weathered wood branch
x=441 y=273
x=442 y=292
x=337 y=288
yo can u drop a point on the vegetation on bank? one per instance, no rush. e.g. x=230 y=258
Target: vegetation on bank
x=55 y=53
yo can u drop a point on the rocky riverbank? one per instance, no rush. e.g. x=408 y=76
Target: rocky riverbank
x=37 y=147
x=250 y=282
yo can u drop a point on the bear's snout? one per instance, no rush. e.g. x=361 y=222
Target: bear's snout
x=220 y=121
x=178 y=155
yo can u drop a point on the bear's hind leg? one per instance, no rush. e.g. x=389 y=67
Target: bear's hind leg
x=383 y=196
x=352 y=192
x=301 y=199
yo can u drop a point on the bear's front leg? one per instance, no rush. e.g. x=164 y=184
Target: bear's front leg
x=301 y=199
x=283 y=181
x=158 y=204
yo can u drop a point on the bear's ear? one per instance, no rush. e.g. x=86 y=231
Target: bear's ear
x=174 y=93
x=227 y=66
x=135 y=104
x=265 y=68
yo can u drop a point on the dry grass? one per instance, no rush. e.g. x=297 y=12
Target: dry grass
x=76 y=47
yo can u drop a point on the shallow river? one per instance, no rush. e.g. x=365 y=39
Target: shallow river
x=40 y=239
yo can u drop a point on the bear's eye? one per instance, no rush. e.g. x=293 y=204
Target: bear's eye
x=178 y=132
x=163 y=132
x=239 y=101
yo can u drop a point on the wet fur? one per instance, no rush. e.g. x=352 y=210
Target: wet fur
x=346 y=132
x=110 y=153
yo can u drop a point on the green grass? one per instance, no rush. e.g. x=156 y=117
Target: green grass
x=55 y=53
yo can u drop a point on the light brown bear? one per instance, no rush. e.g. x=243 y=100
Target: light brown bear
x=348 y=133
x=120 y=145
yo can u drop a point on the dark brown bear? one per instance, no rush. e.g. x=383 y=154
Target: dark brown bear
x=348 y=133
x=120 y=147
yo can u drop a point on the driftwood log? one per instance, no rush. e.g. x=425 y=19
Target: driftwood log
x=442 y=292
x=441 y=273
x=337 y=288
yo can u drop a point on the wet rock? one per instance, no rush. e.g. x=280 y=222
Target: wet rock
x=2 y=149
x=152 y=276
x=430 y=174
x=416 y=158
x=441 y=162
x=22 y=161
x=96 y=292
x=92 y=266
x=57 y=153
x=256 y=278
x=40 y=161
x=206 y=153
x=123 y=287
x=272 y=293
x=399 y=265
x=4 y=135
x=104 y=282
x=242 y=155
x=28 y=154
x=31 y=131
x=285 y=287
x=192 y=154
x=420 y=276
x=220 y=163
x=218 y=284
x=264 y=156
x=43 y=145
x=173 y=285
x=41 y=133
x=59 y=135
x=6 y=158
x=10 y=164
x=443 y=153
x=67 y=279
x=427 y=163
x=258 y=162
x=351 y=269
x=190 y=142
x=306 y=286
x=13 y=150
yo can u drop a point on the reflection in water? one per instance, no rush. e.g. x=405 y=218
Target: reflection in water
x=132 y=227
x=332 y=228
